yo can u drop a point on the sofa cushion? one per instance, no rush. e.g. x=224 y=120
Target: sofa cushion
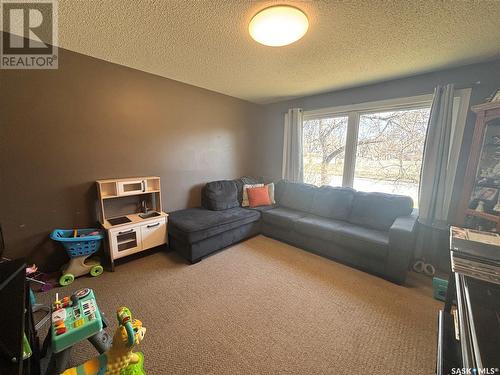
x=195 y=224
x=297 y=196
x=262 y=208
x=244 y=181
x=244 y=201
x=379 y=210
x=270 y=188
x=332 y=202
x=370 y=242
x=282 y=217
x=317 y=226
x=220 y=195
x=258 y=196
x=279 y=189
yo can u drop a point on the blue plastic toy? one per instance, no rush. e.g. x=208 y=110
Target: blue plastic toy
x=79 y=244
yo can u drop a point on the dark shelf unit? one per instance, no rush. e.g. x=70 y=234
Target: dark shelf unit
x=16 y=321
x=482 y=156
x=478 y=326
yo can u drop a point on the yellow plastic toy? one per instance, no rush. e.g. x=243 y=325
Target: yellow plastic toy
x=119 y=359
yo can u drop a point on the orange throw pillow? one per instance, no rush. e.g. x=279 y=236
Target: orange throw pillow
x=258 y=196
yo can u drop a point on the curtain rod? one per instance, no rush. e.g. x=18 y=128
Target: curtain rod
x=465 y=85
x=457 y=87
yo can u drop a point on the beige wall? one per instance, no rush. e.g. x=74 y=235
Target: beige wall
x=63 y=129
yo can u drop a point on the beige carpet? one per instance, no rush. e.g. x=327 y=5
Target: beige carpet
x=263 y=307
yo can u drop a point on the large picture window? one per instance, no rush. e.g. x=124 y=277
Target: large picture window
x=324 y=150
x=370 y=147
x=389 y=151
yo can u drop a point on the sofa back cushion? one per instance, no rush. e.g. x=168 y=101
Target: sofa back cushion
x=295 y=195
x=379 y=210
x=332 y=202
x=220 y=195
x=279 y=190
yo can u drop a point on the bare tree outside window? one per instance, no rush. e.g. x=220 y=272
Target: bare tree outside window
x=388 y=153
x=324 y=149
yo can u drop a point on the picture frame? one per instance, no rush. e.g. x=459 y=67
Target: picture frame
x=485 y=194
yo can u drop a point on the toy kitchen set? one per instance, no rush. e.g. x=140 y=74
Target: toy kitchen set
x=130 y=211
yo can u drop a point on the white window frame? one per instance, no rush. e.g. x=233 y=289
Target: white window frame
x=353 y=112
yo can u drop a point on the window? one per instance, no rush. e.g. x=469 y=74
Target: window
x=324 y=150
x=372 y=146
x=389 y=151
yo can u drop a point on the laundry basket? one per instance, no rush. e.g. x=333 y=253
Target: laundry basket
x=81 y=245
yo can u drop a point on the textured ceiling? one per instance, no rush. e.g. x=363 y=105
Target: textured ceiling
x=349 y=43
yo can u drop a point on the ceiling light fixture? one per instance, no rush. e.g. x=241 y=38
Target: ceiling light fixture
x=278 y=25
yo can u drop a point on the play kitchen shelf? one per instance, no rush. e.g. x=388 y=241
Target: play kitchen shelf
x=130 y=211
x=128 y=186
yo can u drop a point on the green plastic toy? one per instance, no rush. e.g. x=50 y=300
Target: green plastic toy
x=119 y=359
x=136 y=368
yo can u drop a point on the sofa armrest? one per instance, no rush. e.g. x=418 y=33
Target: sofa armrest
x=402 y=235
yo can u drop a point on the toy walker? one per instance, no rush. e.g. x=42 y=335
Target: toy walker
x=74 y=319
x=79 y=244
x=120 y=359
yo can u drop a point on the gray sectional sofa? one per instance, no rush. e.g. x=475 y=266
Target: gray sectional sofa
x=371 y=231
x=220 y=222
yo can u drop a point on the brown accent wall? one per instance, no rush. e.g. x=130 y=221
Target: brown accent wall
x=90 y=119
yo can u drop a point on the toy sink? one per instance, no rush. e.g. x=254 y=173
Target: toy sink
x=147 y=215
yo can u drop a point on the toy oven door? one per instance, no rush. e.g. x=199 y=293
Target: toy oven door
x=124 y=242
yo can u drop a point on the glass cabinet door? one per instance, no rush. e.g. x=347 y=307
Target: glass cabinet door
x=484 y=203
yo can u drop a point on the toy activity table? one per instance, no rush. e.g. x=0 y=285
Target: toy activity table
x=74 y=319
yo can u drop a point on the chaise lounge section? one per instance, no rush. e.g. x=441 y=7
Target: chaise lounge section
x=371 y=231
x=220 y=222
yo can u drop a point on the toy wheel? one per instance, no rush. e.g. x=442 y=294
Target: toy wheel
x=66 y=279
x=96 y=270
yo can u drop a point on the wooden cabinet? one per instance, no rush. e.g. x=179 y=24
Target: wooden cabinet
x=154 y=233
x=480 y=201
x=131 y=212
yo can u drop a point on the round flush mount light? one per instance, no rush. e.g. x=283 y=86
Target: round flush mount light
x=278 y=25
